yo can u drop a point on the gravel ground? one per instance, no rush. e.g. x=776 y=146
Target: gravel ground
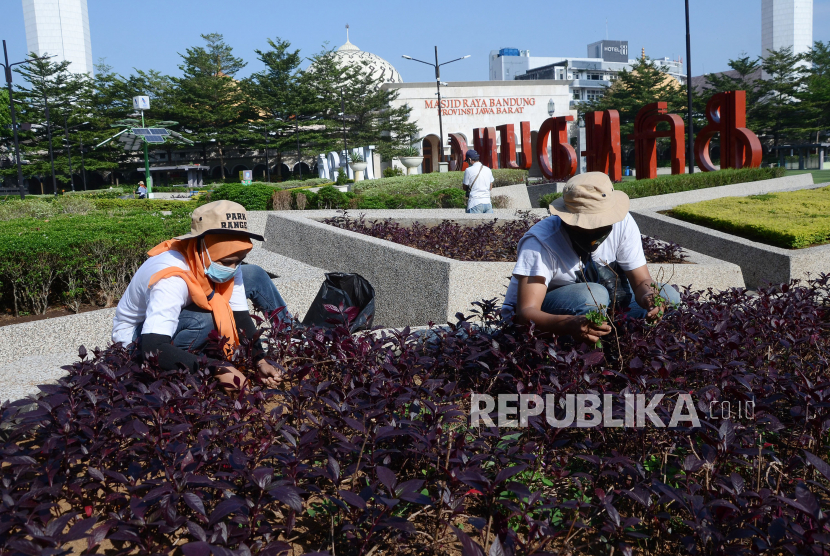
x=35 y=351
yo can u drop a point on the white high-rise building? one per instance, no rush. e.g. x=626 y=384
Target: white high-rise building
x=786 y=23
x=61 y=28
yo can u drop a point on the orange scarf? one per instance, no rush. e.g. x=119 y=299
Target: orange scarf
x=200 y=286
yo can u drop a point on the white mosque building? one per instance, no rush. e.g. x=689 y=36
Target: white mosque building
x=349 y=54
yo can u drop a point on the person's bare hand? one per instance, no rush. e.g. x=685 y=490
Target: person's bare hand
x=654 y=312
x=584 y=330
x=271 y=376
x=231 y=379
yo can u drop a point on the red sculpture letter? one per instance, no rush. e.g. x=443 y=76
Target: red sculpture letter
x=526 y=156
x=484 y=142
x=564 y=161
x=458 y=150
x=602 y=138
x=507 y=156
x=739 y=147
x=645 y=139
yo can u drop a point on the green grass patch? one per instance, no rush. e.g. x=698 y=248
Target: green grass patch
x=819 y=176
x=431 y=183
x=792 y=220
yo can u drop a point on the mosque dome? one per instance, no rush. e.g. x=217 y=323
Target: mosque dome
x=377 y=66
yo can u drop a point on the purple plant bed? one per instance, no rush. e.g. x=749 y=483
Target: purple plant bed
x=369 y=444
x=491 y=241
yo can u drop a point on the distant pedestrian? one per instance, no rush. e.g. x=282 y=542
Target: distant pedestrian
x=478 y=181
x=142 y=190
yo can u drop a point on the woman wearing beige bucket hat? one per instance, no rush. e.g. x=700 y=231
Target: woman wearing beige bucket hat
x=588 y=252
x=194 y=284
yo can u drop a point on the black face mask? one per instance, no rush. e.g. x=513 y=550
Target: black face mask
x=587 y=241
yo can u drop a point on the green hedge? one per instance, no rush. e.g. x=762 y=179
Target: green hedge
x=256 y=196
x=792 y=220
x=80 y=258
x=662 y=185
x=431 y=183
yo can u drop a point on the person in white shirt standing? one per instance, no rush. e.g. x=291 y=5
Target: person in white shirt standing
x=584 y=257
x=478 y=181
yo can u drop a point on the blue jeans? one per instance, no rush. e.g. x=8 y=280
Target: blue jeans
x=581 y=298
x=195 y=323
x=483 y=208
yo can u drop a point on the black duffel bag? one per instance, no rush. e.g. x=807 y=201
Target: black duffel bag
x=356 y=295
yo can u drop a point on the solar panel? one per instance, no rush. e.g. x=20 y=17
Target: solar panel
x=158 y=131
x=141 y=131
x=154 y=138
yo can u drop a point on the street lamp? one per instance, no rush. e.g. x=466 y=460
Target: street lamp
x=691 y=139
x=345 y=161
x=437 y=67
x=551 y=108
x=69 y=151
x=8 y=67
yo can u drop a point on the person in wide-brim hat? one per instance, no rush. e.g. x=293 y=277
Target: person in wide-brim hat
x=587 y=256
x=196 y=283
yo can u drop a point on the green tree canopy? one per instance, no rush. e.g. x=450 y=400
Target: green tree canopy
x=817 y=92
x=781 y=113
x=5 y=114
x=644 y=83
x=48 y=85
x=206 y=101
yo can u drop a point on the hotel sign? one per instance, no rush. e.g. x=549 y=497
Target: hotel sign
x=476 y=106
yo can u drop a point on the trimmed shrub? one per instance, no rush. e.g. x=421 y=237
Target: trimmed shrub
x=662 y=185
x=92 y=256
x=792 y=220
x=546 y=200
x=145 y=205
x=370 y=445
x=431 y=183
x=256 y=196
x=488 y=241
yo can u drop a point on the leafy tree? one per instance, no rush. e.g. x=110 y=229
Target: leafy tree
x=5 y=114
x=369 y=118
x=278 y=99
x=781 y=112
x=372 y=119
x=207 y=101
x=746 y=80
x=644 y=83
x=47 y=84
x=818 y=88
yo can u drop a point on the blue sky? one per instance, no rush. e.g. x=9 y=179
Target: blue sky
x=149 y=34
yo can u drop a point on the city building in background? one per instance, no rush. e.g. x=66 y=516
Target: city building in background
x=786 y=23
x=588 y=76
x=59 y=28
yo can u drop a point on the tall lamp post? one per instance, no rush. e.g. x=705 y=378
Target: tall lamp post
x=69 y=151
x=8 y=68
x=49 y=135
x=691 y=139
x=437 y=67
x=345 y=162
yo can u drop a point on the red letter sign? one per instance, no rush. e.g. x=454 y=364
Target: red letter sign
x=739 y=147
x=507 y=156
x=458 y=150
x=484 y=142
x=645 y=138
x=602 y=138
x=564 y=156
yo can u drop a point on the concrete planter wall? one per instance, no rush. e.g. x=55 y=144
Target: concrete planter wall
x=414 y=287
x=760 y=264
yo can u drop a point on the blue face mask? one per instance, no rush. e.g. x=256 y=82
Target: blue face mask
x=218 y=273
